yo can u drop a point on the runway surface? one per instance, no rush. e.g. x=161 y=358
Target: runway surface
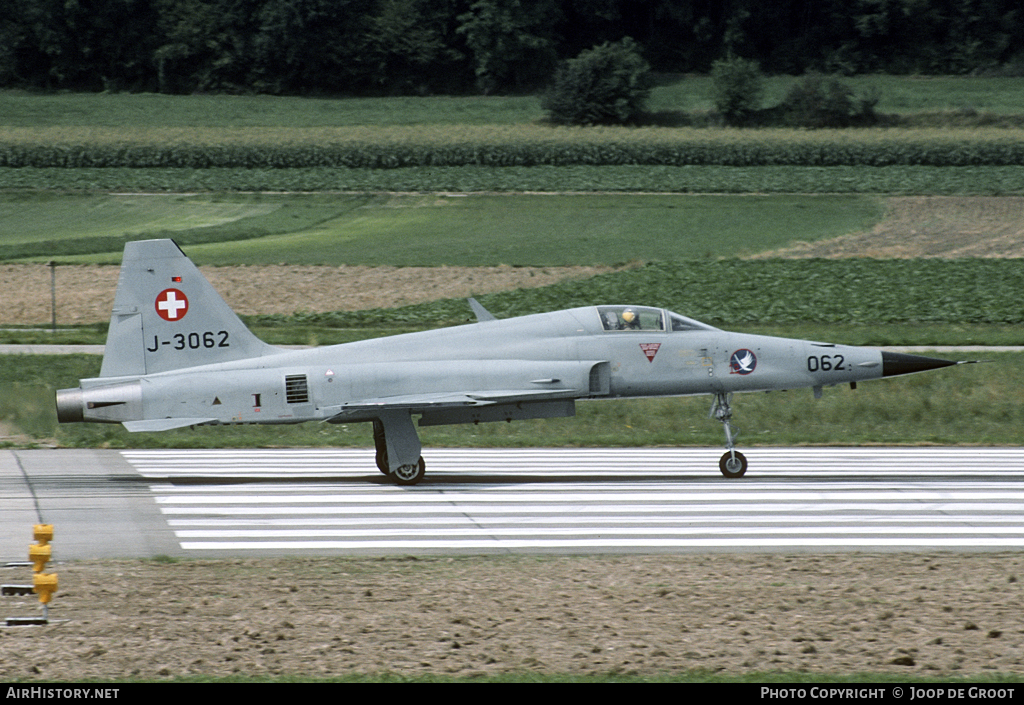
x=226 y=503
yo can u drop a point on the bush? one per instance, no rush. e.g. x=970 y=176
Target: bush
x=825 y=101
x=818 y=101
x=604 y=85
x=737 y=88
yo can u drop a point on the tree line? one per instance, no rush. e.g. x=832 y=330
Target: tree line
x=373 y=47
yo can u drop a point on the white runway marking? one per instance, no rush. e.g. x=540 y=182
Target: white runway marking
x=591 y=500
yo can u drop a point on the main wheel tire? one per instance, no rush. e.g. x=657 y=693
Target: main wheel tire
x=410 y=474
x=733 y=464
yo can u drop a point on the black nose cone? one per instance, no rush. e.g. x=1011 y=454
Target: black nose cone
x=903 y=364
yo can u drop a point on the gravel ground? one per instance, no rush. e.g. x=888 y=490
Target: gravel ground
x=940 y=615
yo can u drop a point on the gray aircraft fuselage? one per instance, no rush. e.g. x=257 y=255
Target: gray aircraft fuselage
x=177 y=356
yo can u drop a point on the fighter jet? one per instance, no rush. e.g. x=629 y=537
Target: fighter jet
x=177 y=355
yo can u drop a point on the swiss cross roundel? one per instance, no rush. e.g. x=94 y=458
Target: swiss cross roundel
x=171 y=305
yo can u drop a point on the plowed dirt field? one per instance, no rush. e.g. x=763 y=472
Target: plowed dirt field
x=944 y=615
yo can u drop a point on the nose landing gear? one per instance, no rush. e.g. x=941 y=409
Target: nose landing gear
x=733 y=463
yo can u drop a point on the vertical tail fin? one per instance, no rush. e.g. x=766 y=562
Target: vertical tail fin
x=167 y=316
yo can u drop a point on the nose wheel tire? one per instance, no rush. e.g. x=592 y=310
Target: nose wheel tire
x=410 y=474
x=733 y=464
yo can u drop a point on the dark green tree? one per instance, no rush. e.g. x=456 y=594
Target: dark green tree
x=737 y=89
x=512 y=42
x=607 y=84
x=193 y=50
x=412 y=47
x=312 y=45
x=77 y=44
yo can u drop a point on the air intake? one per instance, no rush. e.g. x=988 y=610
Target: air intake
x=296 y=389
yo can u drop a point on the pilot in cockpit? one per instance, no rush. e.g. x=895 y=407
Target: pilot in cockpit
x=630 y=320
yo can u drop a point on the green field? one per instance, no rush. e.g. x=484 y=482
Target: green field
x=33 y=218
x=425 y=230
x=18 y=109
x=899 y=94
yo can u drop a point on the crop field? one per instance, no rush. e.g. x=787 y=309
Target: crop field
x=497 y=145
x=907 y=180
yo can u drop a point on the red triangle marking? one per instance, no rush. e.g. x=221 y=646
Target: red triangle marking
x=650 y=350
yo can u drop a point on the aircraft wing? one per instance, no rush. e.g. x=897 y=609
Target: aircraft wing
x=415 y=403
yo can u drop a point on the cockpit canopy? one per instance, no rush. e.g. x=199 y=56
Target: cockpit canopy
x=635 y=318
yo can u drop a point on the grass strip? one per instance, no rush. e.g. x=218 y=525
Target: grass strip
x=897 y=180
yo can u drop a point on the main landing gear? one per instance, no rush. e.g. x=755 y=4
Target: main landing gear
x=396 y=433
x=733 y=463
